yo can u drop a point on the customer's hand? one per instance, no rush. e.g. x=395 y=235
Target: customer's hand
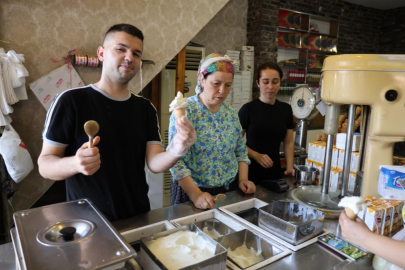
x=184 y=138
x=353 y=231
x=87 y=160
x=264 y=160
x=248 y=187
x=204 y=201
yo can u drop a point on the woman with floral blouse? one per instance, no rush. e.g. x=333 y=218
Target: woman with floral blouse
x=211 y=165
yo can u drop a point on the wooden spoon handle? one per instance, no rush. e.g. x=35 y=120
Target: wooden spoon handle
x=91 y=142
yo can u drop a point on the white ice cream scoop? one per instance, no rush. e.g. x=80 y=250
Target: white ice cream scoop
x=179 y=102
x=353 y=205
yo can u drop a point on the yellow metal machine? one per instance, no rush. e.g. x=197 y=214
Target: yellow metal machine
x=379 y=82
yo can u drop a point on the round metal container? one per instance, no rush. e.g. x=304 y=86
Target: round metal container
x=305 y=174
x=50 y=236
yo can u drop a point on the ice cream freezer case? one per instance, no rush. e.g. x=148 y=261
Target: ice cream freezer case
x=222 y=233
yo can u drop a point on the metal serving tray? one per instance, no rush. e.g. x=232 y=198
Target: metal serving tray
x=134 y=237
x=247 y=213
x=216 y=219
x=229 y=222
x=150 y=262
x=19 y=259
x=291 y=221
x=270 y=252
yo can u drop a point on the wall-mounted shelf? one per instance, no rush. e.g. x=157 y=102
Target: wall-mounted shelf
x=306 y=39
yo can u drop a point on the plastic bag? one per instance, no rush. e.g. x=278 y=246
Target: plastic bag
x=177 y=146
x=16 y=157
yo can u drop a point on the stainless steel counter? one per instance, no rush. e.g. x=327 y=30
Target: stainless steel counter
x=315 y=256
x=7 y=257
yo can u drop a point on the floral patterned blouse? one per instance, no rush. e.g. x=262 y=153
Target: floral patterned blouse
x=213 y=159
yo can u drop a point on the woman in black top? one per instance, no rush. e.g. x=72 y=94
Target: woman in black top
x=268 y=122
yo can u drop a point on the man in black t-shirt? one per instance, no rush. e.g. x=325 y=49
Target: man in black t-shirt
x=111 y=174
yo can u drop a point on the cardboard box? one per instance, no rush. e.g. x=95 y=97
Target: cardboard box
x=320 y=149
x=341 y=142
x=388 y=215
x=246 y=66
x=370 y=198
x=335 y=158
x=341 y=159
x=397 y=216
x=354 y=163
x=248 y=53
x=334 y=180
x=373 y=218
x=248 y=48
x=319 y=174
x=311 y=150
x=352 y=182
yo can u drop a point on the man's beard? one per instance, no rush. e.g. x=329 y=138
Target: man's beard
x=126 y=80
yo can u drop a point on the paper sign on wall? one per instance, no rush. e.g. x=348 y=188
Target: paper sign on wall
x=48 y=86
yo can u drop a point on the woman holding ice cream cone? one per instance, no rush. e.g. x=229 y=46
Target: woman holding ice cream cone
x=211 y=165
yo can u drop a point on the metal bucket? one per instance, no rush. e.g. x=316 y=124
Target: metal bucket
x=305 y=174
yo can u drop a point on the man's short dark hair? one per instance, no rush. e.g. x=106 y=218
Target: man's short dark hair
x=127 y=28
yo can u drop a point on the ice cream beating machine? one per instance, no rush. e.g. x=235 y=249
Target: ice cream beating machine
x=379 y=82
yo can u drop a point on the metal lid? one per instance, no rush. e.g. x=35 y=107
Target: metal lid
x=364 y=62
x=71 y=235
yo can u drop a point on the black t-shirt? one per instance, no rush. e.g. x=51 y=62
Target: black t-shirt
x=127 y=125
x=266 y=126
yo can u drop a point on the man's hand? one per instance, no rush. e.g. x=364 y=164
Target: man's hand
x=184 y=138
x=248 y=187
x=264 y=160
x=204 y=201
x=87 y=160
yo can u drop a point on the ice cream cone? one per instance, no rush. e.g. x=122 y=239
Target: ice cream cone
x=178 y=113
x=350 y=213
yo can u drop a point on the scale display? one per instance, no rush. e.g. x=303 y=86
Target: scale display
x=303 y=102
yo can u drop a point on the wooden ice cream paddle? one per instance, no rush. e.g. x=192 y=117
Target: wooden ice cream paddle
x=91 y=128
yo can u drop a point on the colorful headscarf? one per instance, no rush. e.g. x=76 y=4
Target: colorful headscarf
x=215 y=62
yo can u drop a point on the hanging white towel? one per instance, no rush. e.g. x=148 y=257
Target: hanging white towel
x=17 y=67
x=21 y=92
x=8 y=86
x=4 y=107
